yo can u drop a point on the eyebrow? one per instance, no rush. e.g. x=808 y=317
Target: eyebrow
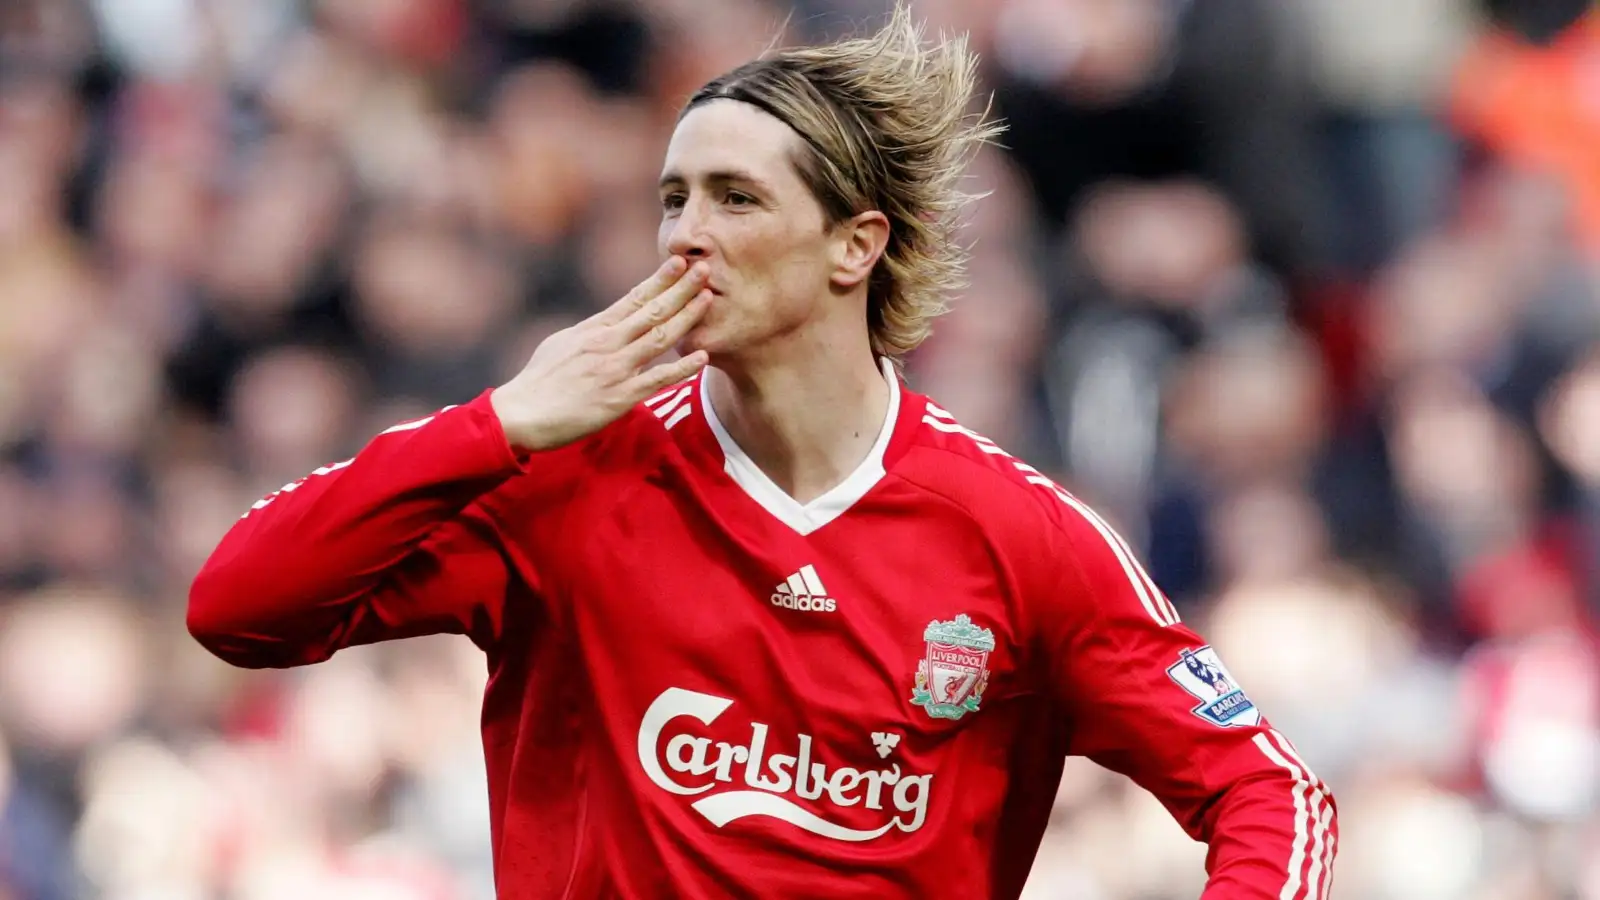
x=718 y=176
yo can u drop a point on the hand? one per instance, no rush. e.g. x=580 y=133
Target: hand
x=583 y=378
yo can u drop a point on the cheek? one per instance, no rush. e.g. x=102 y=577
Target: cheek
x=771 y=268
x=802 y=276
x=786 y=260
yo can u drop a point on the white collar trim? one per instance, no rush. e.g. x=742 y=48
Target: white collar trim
x=805 y=518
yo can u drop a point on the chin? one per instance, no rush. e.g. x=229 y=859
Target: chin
x=700 y=338
x=715 y=335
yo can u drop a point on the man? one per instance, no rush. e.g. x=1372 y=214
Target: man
x=761 y=621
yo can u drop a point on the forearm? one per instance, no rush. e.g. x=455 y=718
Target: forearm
x=291 y=570
x=1274 y=833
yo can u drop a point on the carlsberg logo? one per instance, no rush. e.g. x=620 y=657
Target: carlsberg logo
x=760 y=781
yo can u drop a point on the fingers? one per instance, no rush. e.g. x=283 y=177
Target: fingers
x=667 y=374
x=662 y=308
x=665 y=335
x=669 y=273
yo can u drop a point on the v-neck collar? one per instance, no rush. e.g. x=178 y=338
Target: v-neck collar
x=804 y=518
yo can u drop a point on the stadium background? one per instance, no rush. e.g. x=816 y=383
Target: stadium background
x=1303 y=295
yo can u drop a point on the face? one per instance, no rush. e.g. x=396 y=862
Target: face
x=730 y=195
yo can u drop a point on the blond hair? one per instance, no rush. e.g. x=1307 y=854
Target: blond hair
x=886 y=126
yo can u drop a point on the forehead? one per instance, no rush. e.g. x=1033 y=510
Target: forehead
x=727 y=135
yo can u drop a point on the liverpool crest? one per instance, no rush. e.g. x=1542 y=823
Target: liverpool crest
x=954 y=670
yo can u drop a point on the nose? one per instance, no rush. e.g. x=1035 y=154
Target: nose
x=686 y=233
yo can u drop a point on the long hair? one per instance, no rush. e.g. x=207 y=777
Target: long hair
x=886 y=125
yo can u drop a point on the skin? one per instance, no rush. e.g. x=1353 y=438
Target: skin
x=757 y=288
x=794 y=379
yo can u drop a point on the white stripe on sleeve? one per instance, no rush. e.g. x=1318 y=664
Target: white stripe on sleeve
x=1304 y=816
x=666 y=408
x=1321 y=858
x=415 y=424
x=1154 y=602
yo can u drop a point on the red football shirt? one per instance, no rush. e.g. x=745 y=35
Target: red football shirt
x=700 y=687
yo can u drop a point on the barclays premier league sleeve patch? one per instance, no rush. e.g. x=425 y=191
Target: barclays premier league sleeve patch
x=1222 y=702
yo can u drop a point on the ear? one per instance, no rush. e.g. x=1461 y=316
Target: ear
x=860 y=241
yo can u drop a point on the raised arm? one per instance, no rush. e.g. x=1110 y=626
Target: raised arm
x=393 y=542
x=1148 y=698
x=381 y=546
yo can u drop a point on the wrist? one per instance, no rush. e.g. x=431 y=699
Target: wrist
x=515 y=435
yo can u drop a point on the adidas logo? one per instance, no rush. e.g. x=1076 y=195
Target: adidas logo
x=804 y=591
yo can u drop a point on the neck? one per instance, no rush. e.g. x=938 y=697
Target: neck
x=806 y=416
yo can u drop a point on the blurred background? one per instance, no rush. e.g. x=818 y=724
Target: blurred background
x=1305 y=296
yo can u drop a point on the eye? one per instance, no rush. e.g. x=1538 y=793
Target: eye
x=672 y=202
x=737 y=199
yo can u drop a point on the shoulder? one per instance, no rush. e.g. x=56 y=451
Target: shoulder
x=670 y=405
x=607 y=461
x=1043 y=527
x=981 y=477
x=638 y=439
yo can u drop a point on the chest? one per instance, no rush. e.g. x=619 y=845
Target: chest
x=835 y=682
x=891 y=599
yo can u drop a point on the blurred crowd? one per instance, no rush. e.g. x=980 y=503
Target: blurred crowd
x=1305 y=296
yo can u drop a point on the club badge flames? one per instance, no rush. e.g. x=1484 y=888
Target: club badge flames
x=954 y=669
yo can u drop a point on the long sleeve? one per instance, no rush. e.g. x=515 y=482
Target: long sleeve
x=1146 y=697
x=386 y=545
